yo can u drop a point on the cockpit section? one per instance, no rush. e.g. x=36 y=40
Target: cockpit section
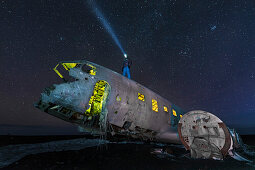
x=80 y=99
x=68 y=70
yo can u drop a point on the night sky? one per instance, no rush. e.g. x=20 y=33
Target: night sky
x=198 y=54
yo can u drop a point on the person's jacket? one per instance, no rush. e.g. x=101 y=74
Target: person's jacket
x=126 y=63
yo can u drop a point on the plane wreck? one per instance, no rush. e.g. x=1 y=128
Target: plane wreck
x=105 y=103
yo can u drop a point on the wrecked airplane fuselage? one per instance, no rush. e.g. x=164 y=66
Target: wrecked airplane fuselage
x=103 y=102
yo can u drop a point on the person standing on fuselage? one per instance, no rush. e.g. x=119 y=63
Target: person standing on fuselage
x=126 y=66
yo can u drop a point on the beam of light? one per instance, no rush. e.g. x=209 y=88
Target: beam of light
x=105 y=23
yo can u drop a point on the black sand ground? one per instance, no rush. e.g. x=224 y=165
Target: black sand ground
x=114 y=156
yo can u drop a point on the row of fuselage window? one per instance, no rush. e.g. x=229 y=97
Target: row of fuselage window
x=154 y=104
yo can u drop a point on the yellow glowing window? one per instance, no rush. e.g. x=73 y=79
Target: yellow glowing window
x=88 y=68
x=98 y=99
x=118 y=98
x=174 y=113
x=154 y=105
x=93 y=70
x=67 y=66
x=140 y=96
x=165 y=109
x=180 y=116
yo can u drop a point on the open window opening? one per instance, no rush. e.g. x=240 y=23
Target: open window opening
x=165 y=109
x=88 y=68
x=98 y=99
x=63 y=72
x=141 y=97
x=154 y=105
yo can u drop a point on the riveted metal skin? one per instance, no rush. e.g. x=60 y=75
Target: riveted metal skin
x=204 y=134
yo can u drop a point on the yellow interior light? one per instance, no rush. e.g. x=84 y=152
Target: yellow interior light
x=154 y=105
x=140 y=96
x=64 y=66
x=55 y=69
x=97 y=100
x=67 y=66
x=165 y=109
x=118 y=98
x=174 y=113
x=180 y=116
x=93 y=70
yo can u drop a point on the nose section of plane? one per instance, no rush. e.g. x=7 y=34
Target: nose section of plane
x=48 y=90
x=82 y=102
x=72 y=95
x=81 y=99
x=67 y=100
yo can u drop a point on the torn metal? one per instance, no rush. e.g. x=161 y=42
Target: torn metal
x=104 y=103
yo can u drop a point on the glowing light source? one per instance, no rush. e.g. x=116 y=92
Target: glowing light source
x=105 y=23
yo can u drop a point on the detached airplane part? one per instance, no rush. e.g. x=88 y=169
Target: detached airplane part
x=104 y=103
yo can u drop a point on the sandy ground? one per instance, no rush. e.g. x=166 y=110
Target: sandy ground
x=112 y=156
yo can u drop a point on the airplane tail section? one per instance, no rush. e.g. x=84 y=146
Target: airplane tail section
x=204 y=134
x=207 y=137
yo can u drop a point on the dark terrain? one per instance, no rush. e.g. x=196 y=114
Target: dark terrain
x=114 y=156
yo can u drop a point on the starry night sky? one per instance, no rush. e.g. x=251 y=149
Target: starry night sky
x=199 y=54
